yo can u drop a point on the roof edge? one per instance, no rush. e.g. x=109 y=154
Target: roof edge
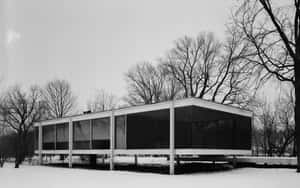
x=192 y=101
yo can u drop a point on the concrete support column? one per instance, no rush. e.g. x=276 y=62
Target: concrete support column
x=112 y=140
x=70 y=142
x=40 y=144
x=172 y=138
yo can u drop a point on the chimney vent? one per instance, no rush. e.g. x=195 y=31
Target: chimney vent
x=87 y=112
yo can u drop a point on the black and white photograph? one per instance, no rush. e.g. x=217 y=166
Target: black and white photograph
x=149 y=93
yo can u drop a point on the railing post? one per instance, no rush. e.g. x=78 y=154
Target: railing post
x=112 y=140
x=172 y=138
x=70 y=142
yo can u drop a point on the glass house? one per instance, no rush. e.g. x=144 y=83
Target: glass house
x=189 y=126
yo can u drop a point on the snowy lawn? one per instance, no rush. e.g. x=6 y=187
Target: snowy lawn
x=51 y=177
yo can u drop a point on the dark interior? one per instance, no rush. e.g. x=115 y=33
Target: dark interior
x=148 y=130
x=62 y=136
x=197 y=127
x=100 y=133
x=82 y=134
x=48 y=137
x=36 y=138
x=87 y=134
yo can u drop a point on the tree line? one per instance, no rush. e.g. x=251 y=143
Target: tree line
x=20 y=109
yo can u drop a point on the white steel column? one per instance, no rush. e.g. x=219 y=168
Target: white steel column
x=70 y=142
x=40 y=144
x=172 y=140
x=112 y=140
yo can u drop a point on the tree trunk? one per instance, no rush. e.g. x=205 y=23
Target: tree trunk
x=20 y=149
x=17 y=150
x=17 y=156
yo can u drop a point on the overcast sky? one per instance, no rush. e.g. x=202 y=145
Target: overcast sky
x=92 y=43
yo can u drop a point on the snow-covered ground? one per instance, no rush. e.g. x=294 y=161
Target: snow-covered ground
x=51 y=177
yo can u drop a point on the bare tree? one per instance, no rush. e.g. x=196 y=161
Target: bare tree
x=59 y=98
x=275 y=130
x=257 y=143
x=233 y=81
x=285 y=115
x=171 y=88
x=148 y=84
x=208 y=69
x=268 y=120
x=145 y=84
x=102 y=101
x=192 y=63
x=18 y=111
x=196 y=67
x=273 y=31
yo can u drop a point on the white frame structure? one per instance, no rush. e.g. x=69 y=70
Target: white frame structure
x=171 y=152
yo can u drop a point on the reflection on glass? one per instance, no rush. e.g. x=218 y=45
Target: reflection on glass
x=48 y=137
x=148 y=130
x=197 y=127
x=81 y=134
x=120 y=129
x=62 y=136
x=100 y=133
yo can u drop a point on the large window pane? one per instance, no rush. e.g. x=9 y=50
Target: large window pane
x=120 y=128
x=36 y=138
x=197 y=127
x=62 y=136
x=148 y=130
x=243 y=133
x=183 y=127
x=81 y=134
x=208 y=134
x=48 y=137
x=224 y=134
x=100 y=133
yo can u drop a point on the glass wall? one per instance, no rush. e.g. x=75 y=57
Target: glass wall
x=148 y=130
x=120 y=130
x=197 y=127
x=101 y=133
x=62 y=136
x=48 y=137
x=242 y=132
x=87 y=134
x=82 y=134
x=36 y=138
